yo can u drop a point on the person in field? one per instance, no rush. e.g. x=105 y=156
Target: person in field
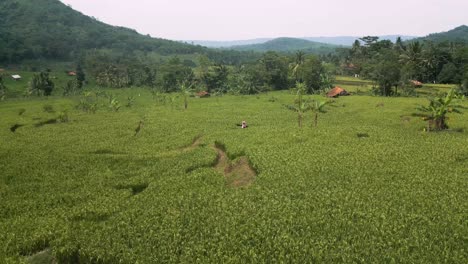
x=244 y=124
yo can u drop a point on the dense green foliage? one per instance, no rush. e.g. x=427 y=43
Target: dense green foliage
x=393 y=65
x=289 y=45
x=366 y=185
x=272 y=71
x=41 y=84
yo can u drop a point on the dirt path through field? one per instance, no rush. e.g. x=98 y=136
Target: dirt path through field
x=239 y=174
x=195 y=143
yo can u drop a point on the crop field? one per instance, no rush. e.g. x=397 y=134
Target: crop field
x=361 y=86
x=155 y=183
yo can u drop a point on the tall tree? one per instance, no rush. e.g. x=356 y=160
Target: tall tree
x=2 y=88
x=175 y=72
x=276 y=69
x=41 y=84
x=412 y=59
x=368 y=40
x=399 y=45
x=216 y=78
x=314 y=74
x=80 y=76
x=387 y=74
x=296 y=67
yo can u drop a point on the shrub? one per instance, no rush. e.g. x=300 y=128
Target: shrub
x=48 y=108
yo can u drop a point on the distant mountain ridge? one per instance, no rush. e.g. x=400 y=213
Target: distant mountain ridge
x=288 y=45
x=349 y=40
x=339 y=40
x=227 y=43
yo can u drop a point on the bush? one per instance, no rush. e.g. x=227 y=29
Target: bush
x=463 y=89
x=63 y=116
x=48 y=108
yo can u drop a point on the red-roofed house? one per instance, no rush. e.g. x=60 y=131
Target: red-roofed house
x=337 y=91
x=203 y=94
x=416 y=83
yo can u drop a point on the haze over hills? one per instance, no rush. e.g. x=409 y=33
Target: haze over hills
x=227 y=43
x=288 y=45
x=339 y=40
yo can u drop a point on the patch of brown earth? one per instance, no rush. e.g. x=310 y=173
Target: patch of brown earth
x=239 y=174
x=195 y=143
x=405 y=119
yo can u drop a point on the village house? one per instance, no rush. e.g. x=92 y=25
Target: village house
x=16 y=77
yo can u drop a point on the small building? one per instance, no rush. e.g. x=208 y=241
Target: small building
x=416 y=83
x=203 y=94
x=337 y=91
x=71 y=73
x=16 y=77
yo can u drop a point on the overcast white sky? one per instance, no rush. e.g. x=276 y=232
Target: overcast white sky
x=246 y=19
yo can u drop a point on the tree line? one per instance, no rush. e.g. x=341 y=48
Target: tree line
x=271 y=71
x=395 y=65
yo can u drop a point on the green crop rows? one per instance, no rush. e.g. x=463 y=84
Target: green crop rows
x=366 y=185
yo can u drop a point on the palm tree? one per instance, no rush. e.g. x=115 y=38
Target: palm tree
x=412 y=58
x=300 y=105
x=296 y=66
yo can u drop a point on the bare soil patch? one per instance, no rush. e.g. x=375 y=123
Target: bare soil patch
x=195 y=144
x=238 y=174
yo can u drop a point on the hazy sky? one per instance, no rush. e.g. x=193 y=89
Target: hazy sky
x=246 y=19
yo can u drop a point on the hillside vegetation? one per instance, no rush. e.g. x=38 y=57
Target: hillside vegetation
x=289 y=45
x=458 y=35
x=50 y=30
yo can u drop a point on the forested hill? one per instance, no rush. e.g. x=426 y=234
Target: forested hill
x=289 y=45
x=49 y=29
x=459 y=34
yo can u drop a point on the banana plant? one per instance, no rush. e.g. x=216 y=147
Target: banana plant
x=300 y=105
x=318 y=107
x=114 y=104
x=186 y=90
x=438 y=109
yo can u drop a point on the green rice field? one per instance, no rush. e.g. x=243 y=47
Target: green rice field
x=155 y=183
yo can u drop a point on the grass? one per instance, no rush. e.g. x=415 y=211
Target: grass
x=367 y=185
